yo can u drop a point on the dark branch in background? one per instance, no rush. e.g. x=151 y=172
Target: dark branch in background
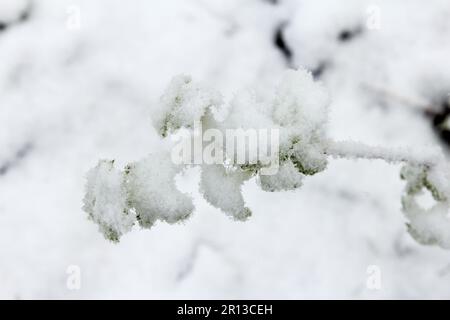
x=440 y=120
x=189 y=264
x=279 y=40
x=23 y=16
x=437 y=113
x=346 y=35
x=320 y=69
x=281 y=45
x=20 y=154
x=26 y=13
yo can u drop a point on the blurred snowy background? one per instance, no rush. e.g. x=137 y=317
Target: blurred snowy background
x=79 y=79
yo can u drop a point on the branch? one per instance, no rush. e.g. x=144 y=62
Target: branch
x=426 y=156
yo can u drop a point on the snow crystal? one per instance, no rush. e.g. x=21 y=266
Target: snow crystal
x=300 y=107
x=248 y=111
x=431 y=226
x=439 y=177
x=153 y=193
x=300 y=101
x=288 y=177
x=299 y=110
x=145 y=191
x=358 y=150
x=183 y=103
x=222 y=189
x=106 y=200
x=427 y=226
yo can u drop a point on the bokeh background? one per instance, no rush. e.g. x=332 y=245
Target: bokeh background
x=79 y=80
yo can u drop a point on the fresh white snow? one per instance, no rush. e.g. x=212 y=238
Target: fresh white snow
x=72 y=95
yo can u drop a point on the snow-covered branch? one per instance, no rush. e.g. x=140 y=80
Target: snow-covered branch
x=145 y=191
x=426 y=156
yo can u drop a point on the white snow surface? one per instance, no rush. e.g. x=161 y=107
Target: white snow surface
x=70 y=96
